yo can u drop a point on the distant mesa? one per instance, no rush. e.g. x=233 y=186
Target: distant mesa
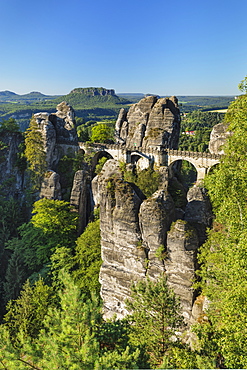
x=93 y=91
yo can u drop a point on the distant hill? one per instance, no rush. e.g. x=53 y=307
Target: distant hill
x=190 y=103
x=133 y=97
x=92 y=103
x=11 y=97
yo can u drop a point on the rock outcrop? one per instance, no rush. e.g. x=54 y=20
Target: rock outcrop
x=58 y=132
x=94 y=91
x=124 y=260
x=149 y=123
x=198 y=211
x=137 y=239
x=51 y=187
x=81 y=197
x=12 y=176
x=155 y=218
x=218 y=138
x=180 y=264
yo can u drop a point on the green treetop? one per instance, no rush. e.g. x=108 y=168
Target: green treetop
x=224 y=256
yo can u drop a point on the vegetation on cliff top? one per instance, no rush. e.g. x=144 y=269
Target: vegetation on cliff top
x=51 y=324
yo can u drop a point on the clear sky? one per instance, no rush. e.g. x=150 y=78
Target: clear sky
x=183 y=47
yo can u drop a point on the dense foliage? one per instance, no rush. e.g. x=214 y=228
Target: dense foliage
x=224 y=256
x=196 y=128
x=155 y=318
x=147 y=180
x=101 y=133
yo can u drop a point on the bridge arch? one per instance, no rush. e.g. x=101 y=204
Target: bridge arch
x=201 y=161
x=98 y=156
x=185 y=171
x=140 y=160
x=212 y=168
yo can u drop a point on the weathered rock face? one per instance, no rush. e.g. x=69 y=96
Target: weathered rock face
x=150 y=122
x=123 y=261
x=58 y=132
x=50 y=187
x=198 y=211
x=147 y=237
x=218 y=138
x=136 y=239
x=81 y=197
x=182 y=244
x=155 y=218
x=12 y=178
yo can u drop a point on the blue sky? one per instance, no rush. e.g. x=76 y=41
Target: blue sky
x=183 y=47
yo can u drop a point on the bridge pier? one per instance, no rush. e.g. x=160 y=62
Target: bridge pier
x=201 y=172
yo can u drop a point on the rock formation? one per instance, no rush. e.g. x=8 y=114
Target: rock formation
x=137 y=239
x=218 y=137
x=59 y=133
x=12 y=176
x=180 y=264
x=50 y=187
x=124 y=259
x=81 y=197
x=150 y=122
x=198 y=211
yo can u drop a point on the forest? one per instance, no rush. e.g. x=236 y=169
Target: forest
x=51 y=309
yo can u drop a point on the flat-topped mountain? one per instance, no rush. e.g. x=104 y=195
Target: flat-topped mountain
x=94 y=91
x=92 y=96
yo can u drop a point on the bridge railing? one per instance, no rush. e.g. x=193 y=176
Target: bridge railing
x=188 y=154
x=155 y=149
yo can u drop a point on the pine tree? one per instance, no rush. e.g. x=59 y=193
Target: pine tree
x=154 y=318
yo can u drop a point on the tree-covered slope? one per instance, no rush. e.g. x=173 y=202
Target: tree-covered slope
x=224 y=256
x=92 y=97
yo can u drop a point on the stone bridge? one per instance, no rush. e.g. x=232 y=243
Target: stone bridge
x=157 y=155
